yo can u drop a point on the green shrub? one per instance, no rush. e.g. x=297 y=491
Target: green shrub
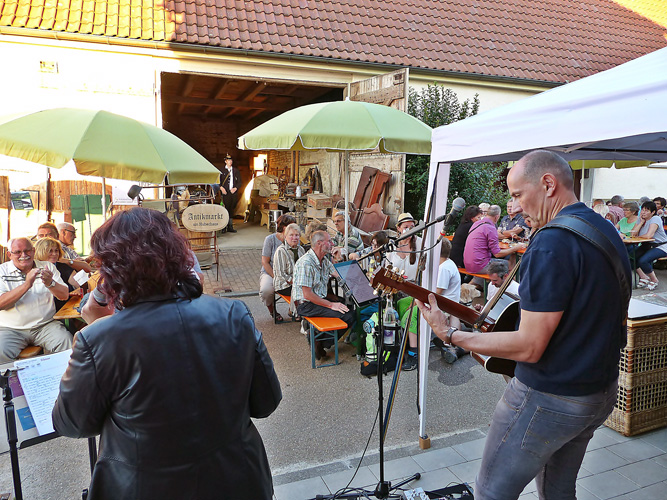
x=474 y=182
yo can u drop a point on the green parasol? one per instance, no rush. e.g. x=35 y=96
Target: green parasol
x=104 y=144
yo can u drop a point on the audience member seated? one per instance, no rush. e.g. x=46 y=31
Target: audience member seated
x=528 y=232
x=484 y=207
x=311 y=227
x=48 y=229
x=603 y=211
x=627 y=223
x=310 y=293
x=354 y=242
x=284 y=259
x=470 y=216
x=378 y=239
x=271 y=244
x=660 y=204
x=407 y=259
x=27 y=289
x=649 y=225
x=512 y=225
x=616 y=208
x=66 y=236
x=498 y=271
x=482 y=244
x=449 y=286
x=49 y=250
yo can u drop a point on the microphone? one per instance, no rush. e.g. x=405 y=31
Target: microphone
x=457 y=207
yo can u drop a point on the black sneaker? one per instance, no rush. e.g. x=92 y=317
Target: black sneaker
x=449 y=355
x=409 y=364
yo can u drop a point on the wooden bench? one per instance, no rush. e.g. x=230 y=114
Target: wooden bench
x=30 y=352
x=288 y=301
x=327 y=328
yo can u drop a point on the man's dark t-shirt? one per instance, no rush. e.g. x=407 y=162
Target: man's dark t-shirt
x=560 y=271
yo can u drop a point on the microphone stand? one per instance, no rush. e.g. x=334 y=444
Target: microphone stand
x=384 y=488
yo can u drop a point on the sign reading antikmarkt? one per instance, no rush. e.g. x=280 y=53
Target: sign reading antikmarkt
x=205 y=217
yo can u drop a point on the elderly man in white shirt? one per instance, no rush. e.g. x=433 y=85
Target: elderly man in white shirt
x=27 y=288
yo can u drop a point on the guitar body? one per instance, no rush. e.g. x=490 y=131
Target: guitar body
x=506 y=321
x=502 y=317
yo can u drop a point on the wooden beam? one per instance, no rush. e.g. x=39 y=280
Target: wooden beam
x=186 y=88
x=218 y=92
x=219 y=103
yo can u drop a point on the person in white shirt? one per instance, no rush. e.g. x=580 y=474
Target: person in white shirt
x=27 y=288
x=407 y=261
x=449 y=286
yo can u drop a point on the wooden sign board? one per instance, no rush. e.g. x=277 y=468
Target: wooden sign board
x=204 y=217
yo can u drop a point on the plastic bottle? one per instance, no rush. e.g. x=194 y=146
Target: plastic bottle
x=298 y=191
x=390 y=322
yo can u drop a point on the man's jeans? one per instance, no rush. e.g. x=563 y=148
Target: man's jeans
x=539 y=435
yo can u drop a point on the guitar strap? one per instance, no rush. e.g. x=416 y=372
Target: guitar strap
x=597 y=238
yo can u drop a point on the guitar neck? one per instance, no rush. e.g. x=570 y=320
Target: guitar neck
x=462 y=312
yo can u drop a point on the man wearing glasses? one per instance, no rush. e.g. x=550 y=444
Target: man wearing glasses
x=67 y=235
x=27 y=288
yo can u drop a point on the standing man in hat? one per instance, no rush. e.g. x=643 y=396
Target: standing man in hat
x=229 y=187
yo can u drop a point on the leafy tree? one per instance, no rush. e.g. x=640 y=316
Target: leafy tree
x=475 y=182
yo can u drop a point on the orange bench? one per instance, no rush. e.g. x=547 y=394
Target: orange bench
x=288 y=301
x=485 y=277
x=327 y=328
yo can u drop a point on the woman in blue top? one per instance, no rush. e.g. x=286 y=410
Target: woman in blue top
x=649 y=225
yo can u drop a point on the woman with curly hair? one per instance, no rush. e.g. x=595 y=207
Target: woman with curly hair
x=171 y=380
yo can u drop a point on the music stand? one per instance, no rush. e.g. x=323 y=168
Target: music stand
x=10 y=414
x=356 y=283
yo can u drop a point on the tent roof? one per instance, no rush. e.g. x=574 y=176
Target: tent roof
x=619 y=114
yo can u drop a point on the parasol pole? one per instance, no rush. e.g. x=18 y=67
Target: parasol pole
x=104 y=198
x=347 y=194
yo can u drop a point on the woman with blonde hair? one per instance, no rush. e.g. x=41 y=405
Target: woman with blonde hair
x=50 y=250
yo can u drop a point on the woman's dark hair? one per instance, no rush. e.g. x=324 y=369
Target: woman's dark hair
x=650 y=206
x=471 y=211
x=142 y=254
x=284 y=221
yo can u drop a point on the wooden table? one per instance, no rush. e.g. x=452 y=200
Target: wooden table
x=68 y=311
x=633 y=260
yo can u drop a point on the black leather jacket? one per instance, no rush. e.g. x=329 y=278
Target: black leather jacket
x=171 y=384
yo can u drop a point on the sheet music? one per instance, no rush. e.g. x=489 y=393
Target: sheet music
x=40 y=380
x=81 y=277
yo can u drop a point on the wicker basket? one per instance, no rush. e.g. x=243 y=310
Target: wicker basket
x=642 y=383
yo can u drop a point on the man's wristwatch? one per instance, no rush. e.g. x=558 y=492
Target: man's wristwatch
x=53 y=283
x=449 y=335
x=71 y=262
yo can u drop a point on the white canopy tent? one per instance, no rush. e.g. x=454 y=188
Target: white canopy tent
x=617 y=115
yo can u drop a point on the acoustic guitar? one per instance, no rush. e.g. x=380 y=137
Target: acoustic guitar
x=506 y=314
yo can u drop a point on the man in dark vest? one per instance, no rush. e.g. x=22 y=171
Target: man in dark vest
x=229 y=187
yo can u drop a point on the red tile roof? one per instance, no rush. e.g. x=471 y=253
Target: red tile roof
x=553 y=40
